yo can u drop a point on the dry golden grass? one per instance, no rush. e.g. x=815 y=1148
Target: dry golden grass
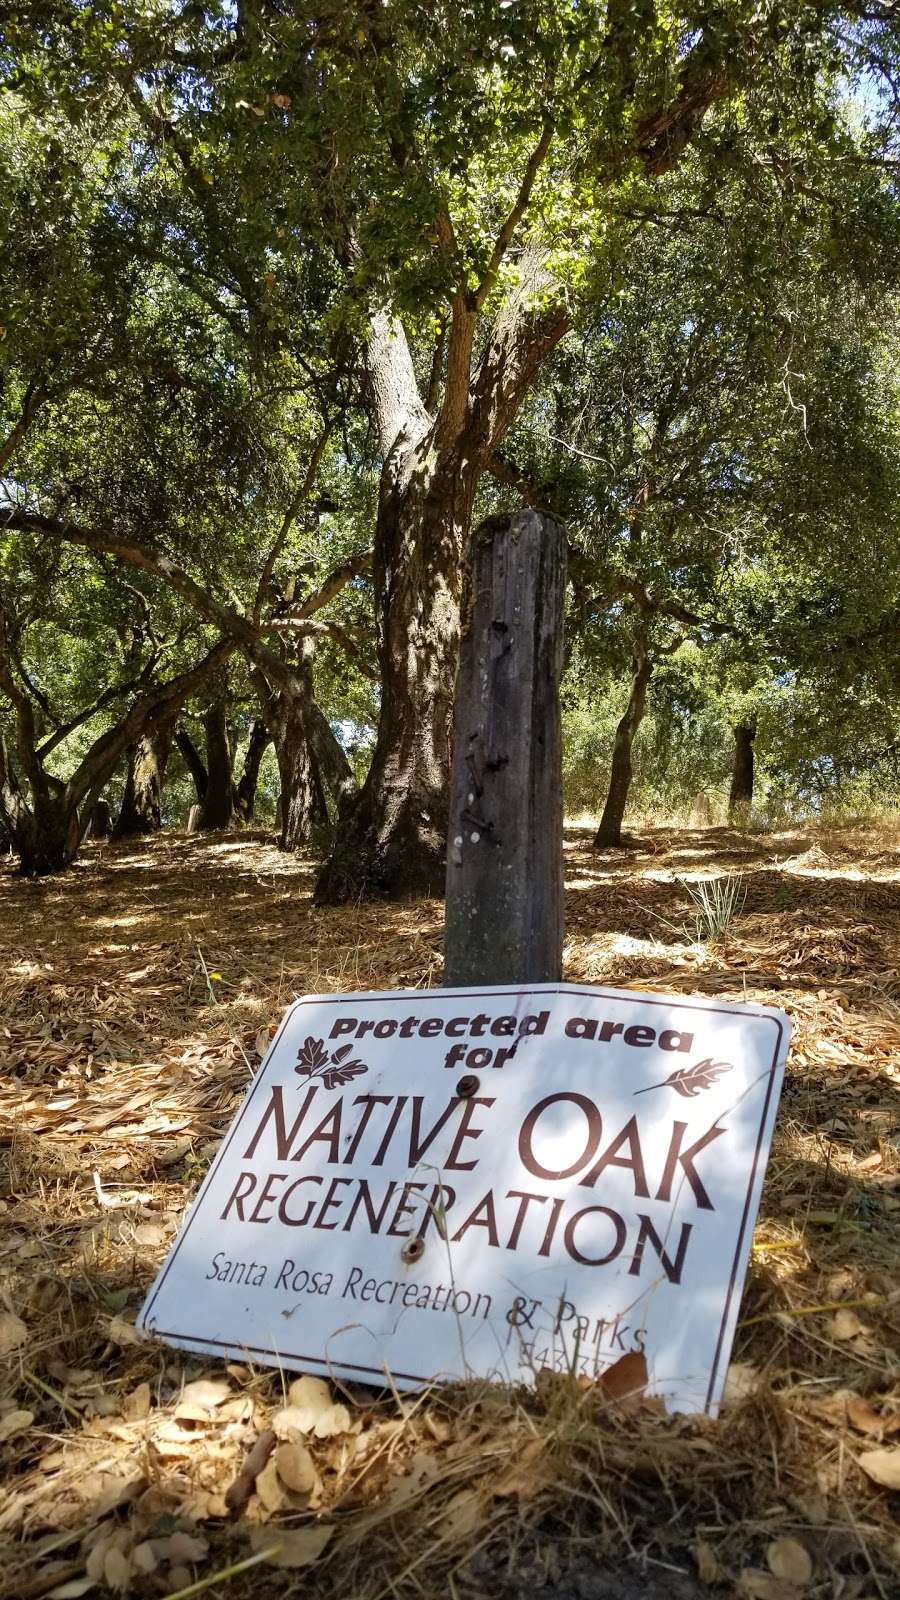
x=140 y=992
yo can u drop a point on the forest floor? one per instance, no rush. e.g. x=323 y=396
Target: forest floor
x=140 y=992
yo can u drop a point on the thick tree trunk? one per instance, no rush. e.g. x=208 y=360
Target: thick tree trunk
x=44 y=827
x=302 y=801
x=100 y=822
x=141 y=809
x=47 y=836
x=245 y=789
x=740 y=798
x=192 y=760
x=217 y=809
x=609 y=832
x=393 y=841
x=504 y=919
x=336 y=770
x=301 y=808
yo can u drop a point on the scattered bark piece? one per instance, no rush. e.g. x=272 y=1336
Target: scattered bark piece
x=239 y=1492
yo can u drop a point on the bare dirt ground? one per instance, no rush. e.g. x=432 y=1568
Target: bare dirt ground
x=140 y=992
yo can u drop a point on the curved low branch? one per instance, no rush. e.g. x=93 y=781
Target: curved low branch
x=157 y=702
x=353 y=567
x=227 y=618
x=330 y=630
x=114 y=692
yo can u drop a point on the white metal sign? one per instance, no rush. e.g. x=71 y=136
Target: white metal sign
x=438 y=1183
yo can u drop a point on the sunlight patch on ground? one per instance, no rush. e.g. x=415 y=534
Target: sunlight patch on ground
x=117 y=1060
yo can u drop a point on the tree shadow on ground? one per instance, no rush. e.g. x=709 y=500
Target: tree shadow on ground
x=141 y=991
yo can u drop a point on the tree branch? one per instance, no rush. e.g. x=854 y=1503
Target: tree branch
x=114 y=692
x=353 y=567
x=135 y=555
x=192 y=760
x=291 y=515
x=395 y=391
x=33 y=399
x=330 y=630
x=507 y=231
x=662 y=135
x=162 y=699
x=524 y=332
x=542 y=496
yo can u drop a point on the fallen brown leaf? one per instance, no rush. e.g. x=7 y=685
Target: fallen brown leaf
x=626 y=1378
x=117 y=1570
x=206 y=1392
x=882 y=1466
x=463 y=1513
x=524 y=1476
x=293 y=1547
x=756 y=1584
x=13 y=1332
x=144 y=1557
x=709 y=1567
x=71 y=1590
x=272 y=1494
x=742 y=1380
x=137 y=1404
x=181 y=1546
x=15 y=1422
x=846 y=1325
x=790 y=1561
x=295 y=1467
x=120 y=1332
x=862 y=1417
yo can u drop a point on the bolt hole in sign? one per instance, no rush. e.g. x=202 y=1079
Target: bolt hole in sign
x=440 y=1184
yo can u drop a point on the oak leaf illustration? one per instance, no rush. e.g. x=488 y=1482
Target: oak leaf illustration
x=313 y=1061
x=311 y=1057
x=690 y=1081
x=343 y=1074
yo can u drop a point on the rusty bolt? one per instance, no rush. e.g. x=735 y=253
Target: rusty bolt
x=413 y=1250
x=467 y=1086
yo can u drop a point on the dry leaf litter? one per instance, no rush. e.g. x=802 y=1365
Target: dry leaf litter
x=140 y=993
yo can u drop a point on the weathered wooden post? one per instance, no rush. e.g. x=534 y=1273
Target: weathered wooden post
x=504 y=913
x=193 y=821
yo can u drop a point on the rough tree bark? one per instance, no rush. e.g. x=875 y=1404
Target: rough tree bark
x=46 y=834
x=303 y=807
x=192 y=760
x=393 y=840
x=740 y=798
x=245 y=788
x=141 y=809
x=217 y=805
x=288 y=708
x=504 y=920
x=99 y=822
x=336 y=771
x=609 y=832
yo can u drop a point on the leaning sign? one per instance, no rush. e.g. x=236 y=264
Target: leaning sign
x=439 y=1184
